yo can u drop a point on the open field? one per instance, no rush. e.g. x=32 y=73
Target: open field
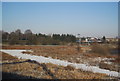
x=71 y=40
x=51 y=71
x=37 y=71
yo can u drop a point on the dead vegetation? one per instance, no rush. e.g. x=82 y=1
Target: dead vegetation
x=6 y=56
x=26 y=52
x=70 y=72
x=68 y=53
x=108 y=66
x=18 y=47
x=47 y=71
x=69 y=67
x=99 y=49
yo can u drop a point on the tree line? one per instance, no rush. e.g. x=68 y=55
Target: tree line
x=29 y=38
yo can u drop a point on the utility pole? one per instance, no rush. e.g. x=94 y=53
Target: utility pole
x=79 y=42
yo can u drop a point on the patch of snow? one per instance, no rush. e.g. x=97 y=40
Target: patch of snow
x=41 y=59
x=99 y=59
x=29 y=50
x=108 y=59
x=108 y=62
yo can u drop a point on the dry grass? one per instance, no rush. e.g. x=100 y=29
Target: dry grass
x=70 y=72
x=19 y=47
x=26 y=69
x=6 y=56
x=58 y=50
x=69 y=67
x=117 y=60
x=100 y=49
x=60 y=72
x=108 y=66
x=68 y=53
x=48 y=49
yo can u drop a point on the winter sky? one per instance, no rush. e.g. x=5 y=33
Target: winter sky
x=86 y=18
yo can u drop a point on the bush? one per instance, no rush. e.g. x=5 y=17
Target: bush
x=26 y=52
x=100 y=49
x=68 y=67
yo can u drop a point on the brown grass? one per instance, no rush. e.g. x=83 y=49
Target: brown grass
x=18 y=47
x=48 y=49
x=117 y=60
x=69 y=67
x=69 y=53
x=70 y=72
x=62 y=53
x=108 y=66
x=6 y=56
x=60 y=72
x=100 y=49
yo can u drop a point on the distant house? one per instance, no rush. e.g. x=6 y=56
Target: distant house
x=89 y=40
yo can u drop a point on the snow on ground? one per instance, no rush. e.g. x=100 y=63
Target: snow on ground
x=41 y=59
x=103 y=59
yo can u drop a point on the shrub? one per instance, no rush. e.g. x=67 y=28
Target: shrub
x=100 y=49
x=27 y=52
x=69 y=67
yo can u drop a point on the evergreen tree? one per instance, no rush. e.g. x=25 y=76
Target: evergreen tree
x=104 y=39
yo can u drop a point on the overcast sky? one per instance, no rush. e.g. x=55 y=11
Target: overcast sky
x=86 y=18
